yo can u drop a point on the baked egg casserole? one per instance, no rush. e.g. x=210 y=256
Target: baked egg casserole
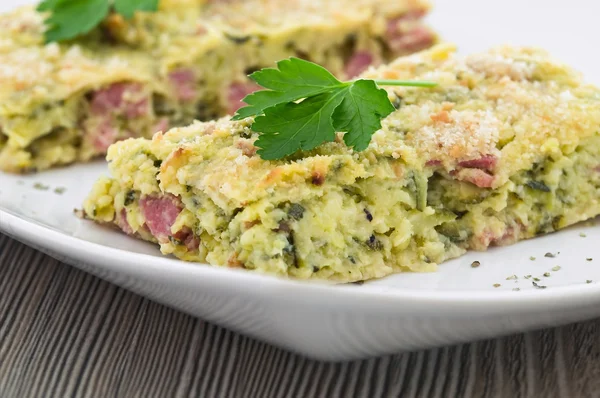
x=505 y=148
x=67 y=102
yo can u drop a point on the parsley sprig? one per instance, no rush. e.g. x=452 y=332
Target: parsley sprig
x=68 y=19
x=304 y=106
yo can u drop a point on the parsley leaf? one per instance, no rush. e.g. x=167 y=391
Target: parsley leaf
x=293 y=80
x=305 y=105
x=128 y=7
x=68 y=19
x=360 y=113
x=71 y=18
x=290 y=127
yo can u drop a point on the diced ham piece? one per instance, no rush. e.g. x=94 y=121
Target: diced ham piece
x=160 y=213
x=475 y=176
x=433 y=163
x=358 y=63
x=404 y=35
x=188 y=238
x=488 y=238
x=105 y=134
x=121 y=98
x=161 y=125
x=237 y=92
x=121 y=221
x=486 y=162
x=184 y=82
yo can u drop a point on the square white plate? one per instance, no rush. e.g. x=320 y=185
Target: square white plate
x=401 y=312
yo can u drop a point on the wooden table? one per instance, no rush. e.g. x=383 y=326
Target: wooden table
x=64 y=333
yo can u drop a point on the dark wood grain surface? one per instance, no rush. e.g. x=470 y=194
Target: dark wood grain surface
x=64 y=333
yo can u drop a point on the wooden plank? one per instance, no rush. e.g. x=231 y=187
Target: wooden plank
x=65 y=333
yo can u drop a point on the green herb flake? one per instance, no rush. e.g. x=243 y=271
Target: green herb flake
x=516 y=289
x=475 y=264
x=496 y=285
x=538 y=286
x=304 y=106
x=537 y=279
x=40 y=187
x=512 y=278
x=547 y=274
x=527 y=276
x=550 y=255
x=556 y=268
x=588 y=281
x=582 y=235
x=538 y=185
x=60 y=190
x=589 y=259
x=532 y=258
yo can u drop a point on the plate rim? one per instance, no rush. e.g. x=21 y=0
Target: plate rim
x=312 y=292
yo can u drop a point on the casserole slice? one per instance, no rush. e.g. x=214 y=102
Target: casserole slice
x=505 y=148
x=63 y=103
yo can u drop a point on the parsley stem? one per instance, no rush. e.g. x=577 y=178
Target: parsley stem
x=409 y=83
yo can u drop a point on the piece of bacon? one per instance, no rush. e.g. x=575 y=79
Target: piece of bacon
x=411 y=40
x=475 y=176
x=358 y=63
x=160 y=213
x=183 y=81
x=237 y=92
x=121 y=221
x=104 y=135
x=188 y=238
x=121 y=99
x=486 y=162
x=161 y=125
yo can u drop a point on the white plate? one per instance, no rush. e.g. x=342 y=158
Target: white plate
x=401 y=312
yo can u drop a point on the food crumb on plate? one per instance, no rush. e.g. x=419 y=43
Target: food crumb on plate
x=538 y=286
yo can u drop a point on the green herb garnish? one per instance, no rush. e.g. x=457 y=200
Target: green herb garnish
x=304 y=106
x=538 y=286
x=68 y=19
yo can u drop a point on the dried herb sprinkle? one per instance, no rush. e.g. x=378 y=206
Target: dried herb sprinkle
x=538 y=286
